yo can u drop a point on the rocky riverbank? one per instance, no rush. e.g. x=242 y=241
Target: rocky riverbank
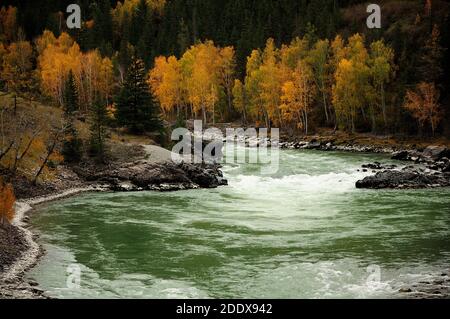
x=429 y=166
x=430 y=169
x=12 y=244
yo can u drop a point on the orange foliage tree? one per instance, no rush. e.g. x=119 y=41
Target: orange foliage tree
x=424 y=104
x=17 y=66
x=200 y=78
x=93 y=74
x=166 y=82
x=298 y=95
x=7 y=200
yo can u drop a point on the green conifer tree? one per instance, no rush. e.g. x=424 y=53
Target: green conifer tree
x=99 y=120
x=135 y=107
x=72 y=143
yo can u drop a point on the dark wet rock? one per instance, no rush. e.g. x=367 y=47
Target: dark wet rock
x=404 y=179
x=431 y=170
x=205 y=176
x=313 y=145
x=430 y=155
x=407 y=156
x=168 y=176
x=401 y=156
x=442 y=165
x=436 y=152
x=378 y=166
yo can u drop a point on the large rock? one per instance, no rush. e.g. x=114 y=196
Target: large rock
x=407 y=156
x=167 y=176
x=313 y=145
x=436 y=152
x=401 y=156
x=205 y=176
x=404 y=179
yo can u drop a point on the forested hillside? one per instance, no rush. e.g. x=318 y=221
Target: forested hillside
x=299 y=65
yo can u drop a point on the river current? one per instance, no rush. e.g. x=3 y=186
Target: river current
x=302 y=232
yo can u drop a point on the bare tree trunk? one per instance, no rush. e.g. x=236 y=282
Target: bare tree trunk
x=325 y=106
x=372 y=115
x=306 y=122
x=383 y=105
x=204 y=116
x=230 y=103
x=353 y=125
x=280 y=119
x=49 y=153
x=15 y=105
x=266 y=119
x=432 y=126
x=6 y=151
x=27 y=148
x=13 y=168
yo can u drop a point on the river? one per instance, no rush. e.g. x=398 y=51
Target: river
x=304 y=232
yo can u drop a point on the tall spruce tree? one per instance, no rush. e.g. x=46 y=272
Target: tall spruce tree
x=72 y=143
x=135 y=107
x=99 y=119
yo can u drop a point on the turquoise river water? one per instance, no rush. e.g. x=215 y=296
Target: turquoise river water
x=303 y=232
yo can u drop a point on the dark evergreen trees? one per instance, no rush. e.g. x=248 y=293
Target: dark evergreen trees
x=103 y=26
x=72 y=144
x=99 y=120
x=135 y=107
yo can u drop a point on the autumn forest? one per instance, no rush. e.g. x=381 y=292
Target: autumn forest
x=327 y=71
x=149 y=65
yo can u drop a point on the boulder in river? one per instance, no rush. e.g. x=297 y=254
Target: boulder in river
x=404 y=179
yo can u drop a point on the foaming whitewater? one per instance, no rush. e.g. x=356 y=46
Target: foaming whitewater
x=303 y=231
